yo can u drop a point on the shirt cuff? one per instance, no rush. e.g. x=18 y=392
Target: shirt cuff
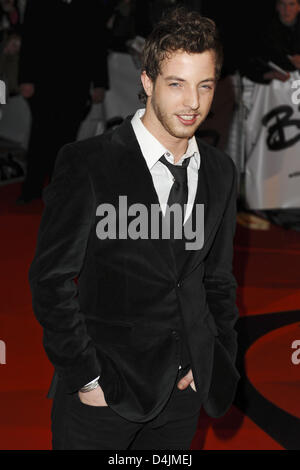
x=92 y=381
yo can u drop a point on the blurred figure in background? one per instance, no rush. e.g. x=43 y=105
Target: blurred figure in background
x=10 y=41
x=9 y=58
x=10 y=17
x=63 y=64
x=278 y=42
x=120 y=23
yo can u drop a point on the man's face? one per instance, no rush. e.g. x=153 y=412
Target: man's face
x=288 y=11
x=182 y=94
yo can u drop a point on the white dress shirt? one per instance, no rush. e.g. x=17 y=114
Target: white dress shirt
x=152 y=150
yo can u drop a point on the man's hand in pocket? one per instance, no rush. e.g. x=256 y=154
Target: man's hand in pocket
x=94 y=397
x=187 y=380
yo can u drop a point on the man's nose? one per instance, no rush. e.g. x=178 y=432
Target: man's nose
x=192 y=99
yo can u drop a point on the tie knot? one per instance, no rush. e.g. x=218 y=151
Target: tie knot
x=178 y=171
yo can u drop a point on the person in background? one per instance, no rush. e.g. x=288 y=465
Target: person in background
x=278 y=42
x=9 y=59
x=63 y=57
x=10 y=41
x=120 y=24
x=10 y=18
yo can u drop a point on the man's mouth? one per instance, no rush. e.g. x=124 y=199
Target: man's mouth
x=187 y=119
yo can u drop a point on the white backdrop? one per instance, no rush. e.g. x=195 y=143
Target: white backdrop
x=122 y=97
x=272 y=140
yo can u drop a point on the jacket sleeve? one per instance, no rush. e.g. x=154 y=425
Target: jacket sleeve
x=61 y=246
x=219 y=282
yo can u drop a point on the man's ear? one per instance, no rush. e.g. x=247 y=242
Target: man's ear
x=147 y=83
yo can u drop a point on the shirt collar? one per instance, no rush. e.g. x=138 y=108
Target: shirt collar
x=152 y=149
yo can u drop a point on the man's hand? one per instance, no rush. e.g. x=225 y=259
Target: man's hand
x=93 y=398
x=98 y=95
x=27 y=90
x=276 y=75
x=295 y=59
x=187 y=380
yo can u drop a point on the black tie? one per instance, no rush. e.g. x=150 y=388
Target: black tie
x=179 y=190
x=179 y=195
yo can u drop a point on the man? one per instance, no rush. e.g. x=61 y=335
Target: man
x=146 y=337
x=278 y=42
x=62 y=59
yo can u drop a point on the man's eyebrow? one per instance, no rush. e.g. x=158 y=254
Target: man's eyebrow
x=208 y=80
x=178 y=79
x=173 y=77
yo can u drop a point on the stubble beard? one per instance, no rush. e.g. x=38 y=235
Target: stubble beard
x=167 y=122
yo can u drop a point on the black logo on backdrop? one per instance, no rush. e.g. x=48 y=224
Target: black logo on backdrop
x=282 y=115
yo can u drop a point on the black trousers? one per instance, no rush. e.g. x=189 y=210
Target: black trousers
x=76 y=425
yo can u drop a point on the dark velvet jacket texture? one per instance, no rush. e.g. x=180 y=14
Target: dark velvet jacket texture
x=125 y=315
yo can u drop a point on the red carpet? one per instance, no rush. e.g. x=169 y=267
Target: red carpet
x=266 y=413
x=271 y=370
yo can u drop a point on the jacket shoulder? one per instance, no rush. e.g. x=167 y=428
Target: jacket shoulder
x=81 y=152
x=89 y=145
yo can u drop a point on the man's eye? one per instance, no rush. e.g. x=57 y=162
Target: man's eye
x=207 y=87
x=174 y=84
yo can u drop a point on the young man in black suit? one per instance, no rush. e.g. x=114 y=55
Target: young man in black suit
x=146 y=336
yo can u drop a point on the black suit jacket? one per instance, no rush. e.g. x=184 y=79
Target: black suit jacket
x=121 y=320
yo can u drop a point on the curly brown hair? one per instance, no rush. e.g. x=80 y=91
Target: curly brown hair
x=179 y=29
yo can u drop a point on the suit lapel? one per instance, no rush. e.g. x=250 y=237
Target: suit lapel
x=210 y=195
x=135 y=181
